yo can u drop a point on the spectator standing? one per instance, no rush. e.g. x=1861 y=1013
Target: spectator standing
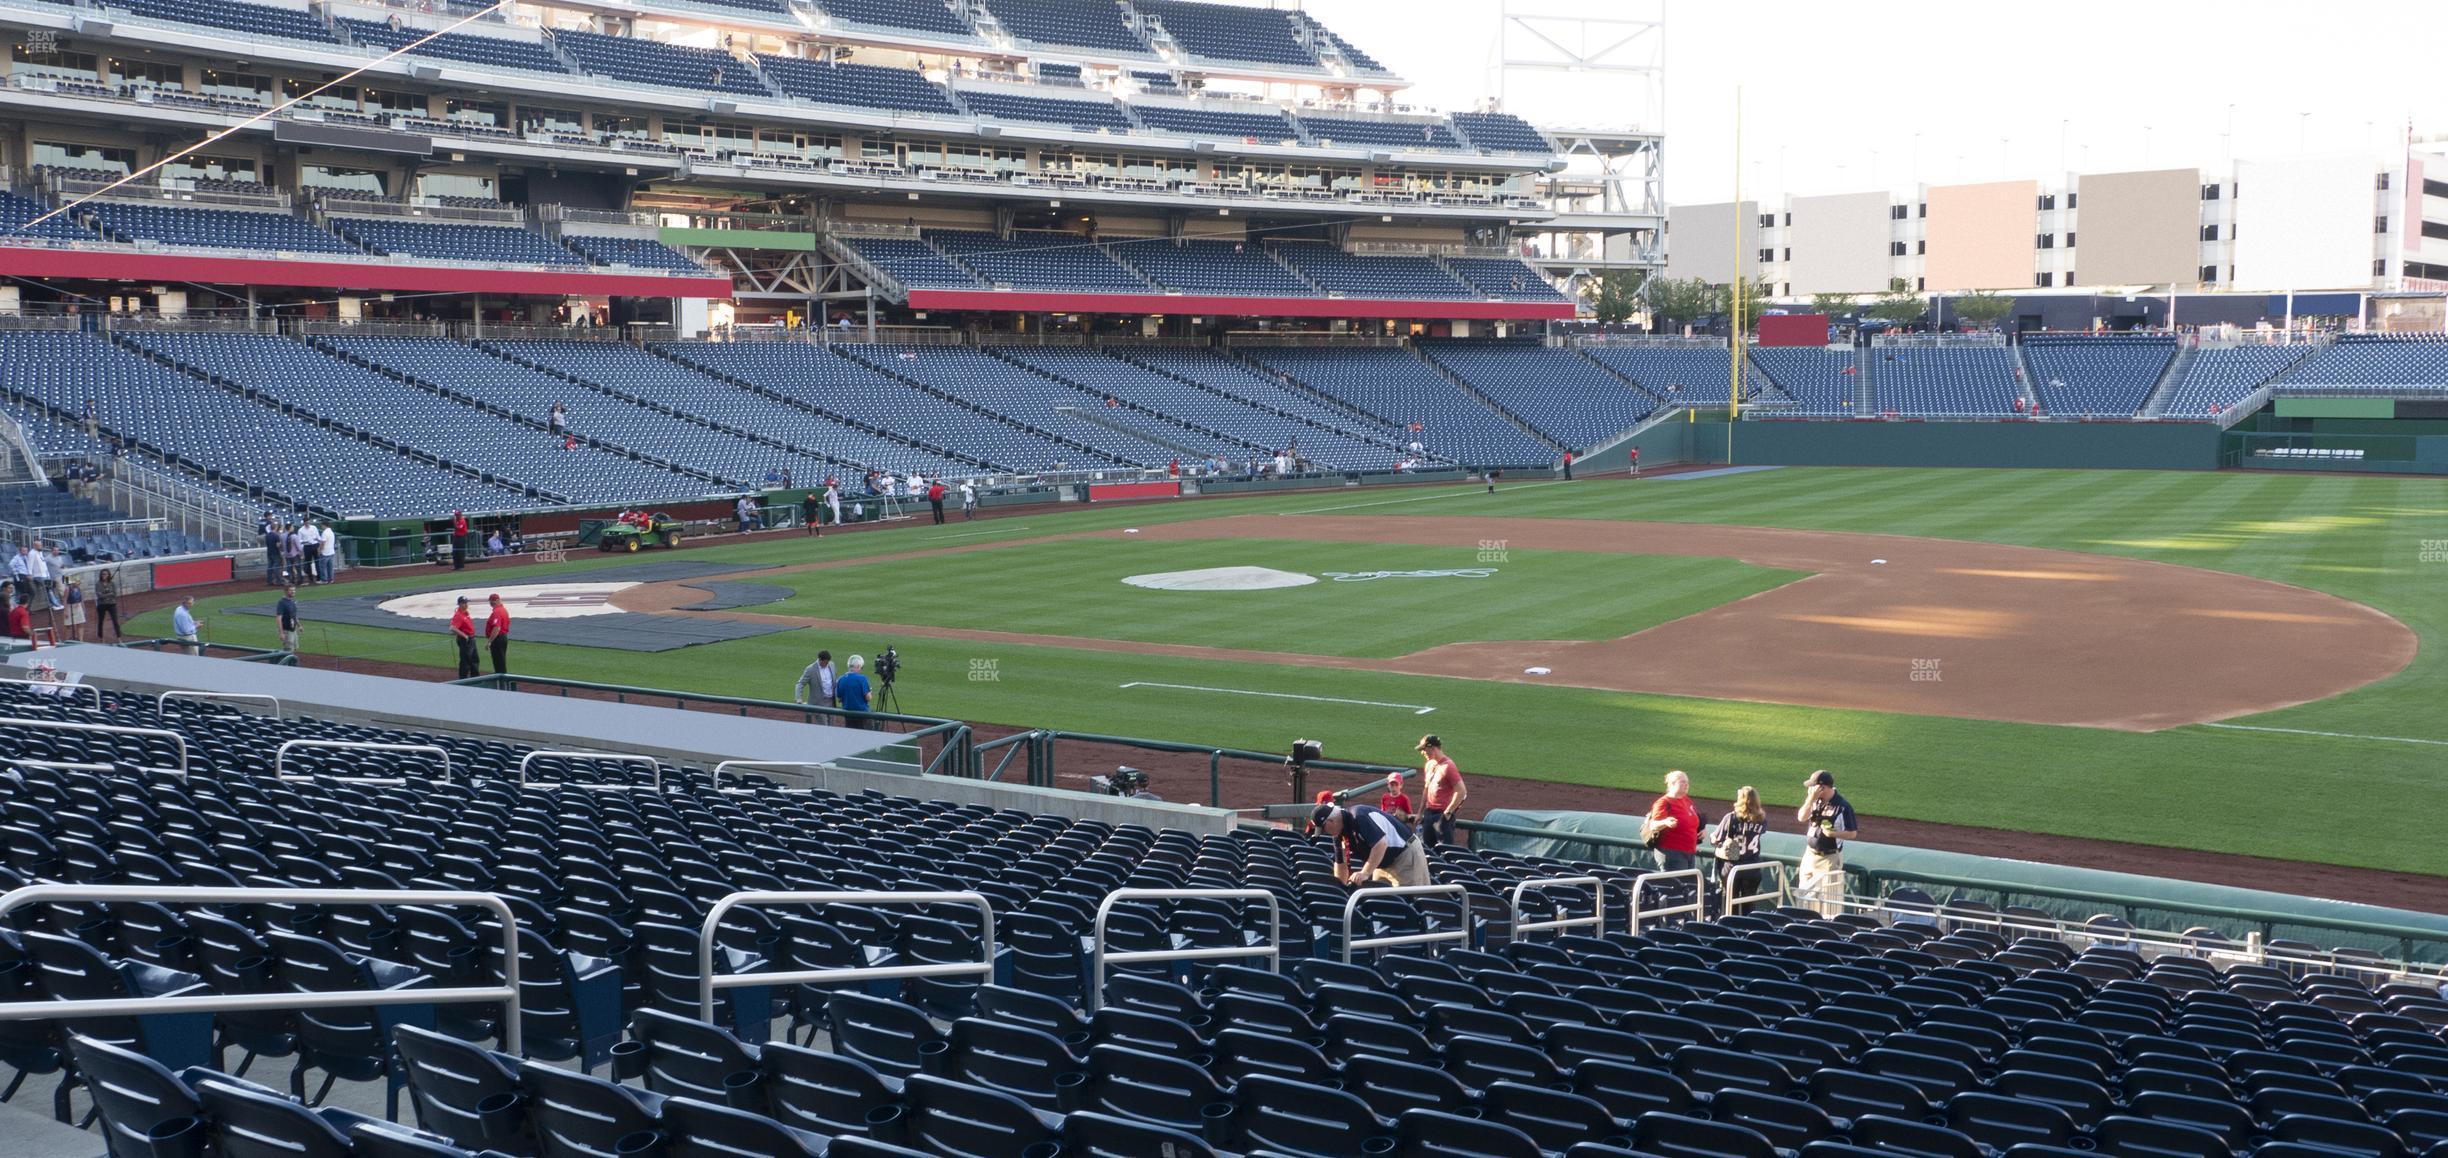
x=1396 y=802
x=816 y=683
x=1737 y=838
x=327 y=551
x=497 y=634
x=272 y=551
x=1827 y=822
x=852 y=689
x=310 y=547
x=286 y=612
x=38 y=572
x=1674 y=825
x=935 y=497
x=21 y=575
x=1568 y=466
x=106 y=602
x=76 y=611
x=833 y=500
x=1387 y=851
x=293 y=555
x=745 y=510
x=811 y=513
x=968 y=500
x=463 y=633
x=459 y=550
x=1441 y=792
x=184 y=625
x=1634 y=471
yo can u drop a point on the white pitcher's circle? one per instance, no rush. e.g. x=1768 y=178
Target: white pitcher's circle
x=528 y=601
x=1221 y=579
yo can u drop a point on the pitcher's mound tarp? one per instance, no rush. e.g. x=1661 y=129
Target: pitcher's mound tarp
x=572 y=609
x=721 y=596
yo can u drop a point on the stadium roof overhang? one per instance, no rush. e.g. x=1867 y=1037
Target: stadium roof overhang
x=378 y=276
x=1007 y=301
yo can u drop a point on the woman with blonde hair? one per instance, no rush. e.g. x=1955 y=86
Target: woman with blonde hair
x=1738 y=843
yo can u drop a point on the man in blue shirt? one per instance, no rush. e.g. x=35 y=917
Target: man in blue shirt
x=853 y=689
x=1827 y=822
x=183 y=625
x=1382 y=845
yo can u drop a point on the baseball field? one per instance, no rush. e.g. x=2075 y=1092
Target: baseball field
x=2230 y=663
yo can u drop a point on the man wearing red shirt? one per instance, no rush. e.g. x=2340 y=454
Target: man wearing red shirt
x=463 y=633
x=935 y=493
x=1568 y=466
x=459 y=541
x=1395 y=803
x=1635 y=471
x=1442 y=792
x=1675 y=824
x=497 y=633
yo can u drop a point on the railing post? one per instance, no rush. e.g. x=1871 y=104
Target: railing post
x=1359 y=897
x=1215 y=779
x=1596 y=921
x=1640 y=886
x=1098 y=958
x=708 y=982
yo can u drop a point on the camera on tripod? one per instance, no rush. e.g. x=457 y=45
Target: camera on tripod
x=1303 y=751
x=888 y=665
x=1126 y=781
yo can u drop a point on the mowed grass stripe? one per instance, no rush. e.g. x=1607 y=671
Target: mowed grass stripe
x=1075 y=588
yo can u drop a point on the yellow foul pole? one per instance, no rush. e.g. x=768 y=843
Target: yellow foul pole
x=1735 y=343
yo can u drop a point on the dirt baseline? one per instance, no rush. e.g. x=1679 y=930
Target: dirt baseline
x=1884 y=623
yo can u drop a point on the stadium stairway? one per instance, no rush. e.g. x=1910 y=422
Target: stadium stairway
x=1379 y=432
x=2169 y=378
x=533 y=422
x=2023 y=379
x=1481 y=397
x=1201 y=439
x=677 y=413
x=867 y=359
x=795 y=402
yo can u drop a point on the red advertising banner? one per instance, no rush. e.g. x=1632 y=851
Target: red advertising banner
x=1133 y=490
x=1792 y=330
x=191 y=572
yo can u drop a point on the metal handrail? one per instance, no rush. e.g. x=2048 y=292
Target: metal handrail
x=507 y=994
x=1734 y=873
x=280 y=757
x=116 y=729
x=1640 y=884
x=1098 y=957
x=708 y=982
x=1596 y=921
x=1359 y=897
x=719 y=769
x=161 y=703
x=53 y=685
x=617 y=757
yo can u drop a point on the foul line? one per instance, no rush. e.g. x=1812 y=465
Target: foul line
x=974 y=534
x=2329 y=735
x=1422 y=498
x=1414 y=709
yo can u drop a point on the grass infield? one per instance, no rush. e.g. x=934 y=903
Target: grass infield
x=2361 y=795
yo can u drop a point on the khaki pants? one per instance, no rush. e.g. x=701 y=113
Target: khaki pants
x=1820 y=884
x=1408 y=867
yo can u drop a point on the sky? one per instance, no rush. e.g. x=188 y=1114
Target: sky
x=1851 y=98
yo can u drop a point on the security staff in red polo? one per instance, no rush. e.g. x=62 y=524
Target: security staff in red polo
x=463 y=633
x=497 y=633
x=1384 y=846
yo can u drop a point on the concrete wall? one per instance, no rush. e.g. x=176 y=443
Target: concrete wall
x=1981 y=236
x=1700 y=241
x=1840 y=244
x=2140 y=228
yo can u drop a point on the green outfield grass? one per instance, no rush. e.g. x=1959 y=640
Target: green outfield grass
x=1074 y=587
x=2363 y=797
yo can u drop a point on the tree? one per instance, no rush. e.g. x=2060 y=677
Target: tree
x=1899 y=306
x=1981 y=308
x=1681 y=300
x=1833 y=305
x=1614 y=296
x=1755 y=299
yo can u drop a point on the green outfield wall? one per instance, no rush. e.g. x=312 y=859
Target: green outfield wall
x=2077 y=445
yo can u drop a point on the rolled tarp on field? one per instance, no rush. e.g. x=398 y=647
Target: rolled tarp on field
x=2064 y=892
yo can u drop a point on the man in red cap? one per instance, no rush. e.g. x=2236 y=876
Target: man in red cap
x=497 y=633
x=463 y=633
